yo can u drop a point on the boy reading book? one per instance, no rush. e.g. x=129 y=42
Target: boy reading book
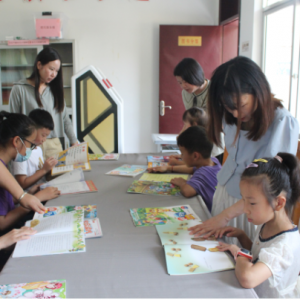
x=33 y=171
x=196 y=154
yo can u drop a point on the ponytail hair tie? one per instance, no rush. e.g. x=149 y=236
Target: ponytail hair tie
x=278 y=158
x=252 y=165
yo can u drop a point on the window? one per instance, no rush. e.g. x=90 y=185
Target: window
x=281 y=51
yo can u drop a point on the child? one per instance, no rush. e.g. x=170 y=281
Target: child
x=33 y=170
x=196 y=154
x=196 y=116
x=270 y=188
x=17 y=136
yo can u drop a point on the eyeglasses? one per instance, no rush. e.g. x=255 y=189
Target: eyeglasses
x=32 y=145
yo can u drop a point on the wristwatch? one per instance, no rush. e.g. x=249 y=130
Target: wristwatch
x=245 y=253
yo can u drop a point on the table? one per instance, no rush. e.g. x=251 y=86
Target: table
x=127 y=262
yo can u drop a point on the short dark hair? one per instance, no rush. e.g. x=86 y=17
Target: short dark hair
x=12 y=125
x=42 y=118
x=190 y=71
x=195 y=115
x=275 y=176
x=194 y=139
x=230 y=80
x=47 y=55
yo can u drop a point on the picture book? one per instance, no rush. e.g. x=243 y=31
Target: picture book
x=157 y=161
x=34 y=290
x=162 y=177
x=154 y=188
x=128 y=170
x=63 y=233
x=150 y=216
x=92 y=227
x=72 y=158
x=104 y=156
x=71 y=183
x=187 y=255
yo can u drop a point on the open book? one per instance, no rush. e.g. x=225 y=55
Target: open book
x=71 y=183
x=72 y=158
x=92 y=227
x=59 y=234
x=128 y=170
x=157 y=161
x=187 y=255
x=34 y=290
x=105 y=156
x=150 y=216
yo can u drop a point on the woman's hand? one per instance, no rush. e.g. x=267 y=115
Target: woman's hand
x=234 y=249
x=32 y=202
x=209 y=227
x=16 y=235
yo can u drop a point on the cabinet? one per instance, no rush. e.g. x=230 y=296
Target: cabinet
x=16 y=63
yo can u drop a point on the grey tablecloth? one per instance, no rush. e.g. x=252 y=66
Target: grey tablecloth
x=127 y=261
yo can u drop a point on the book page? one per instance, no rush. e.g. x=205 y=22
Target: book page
x=73 y=176
x=58 y=242
x=92 y=228
x=184 y=260
x=73 y=155
x=76 y=187
x=63 y=169
x=57 y=223
x=162 y=177
x=128 y=170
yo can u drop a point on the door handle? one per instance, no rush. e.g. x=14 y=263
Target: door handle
x=162 y=107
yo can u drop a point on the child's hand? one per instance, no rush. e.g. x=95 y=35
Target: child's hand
x=35 y=188
x=178 y=181
x=16 y=235
x=229 y=231
x=234 y=249
x=158 y=169
x=48 y=193
x=49 y=164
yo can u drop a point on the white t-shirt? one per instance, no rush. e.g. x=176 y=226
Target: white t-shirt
x=281 y=254
x=30 y=166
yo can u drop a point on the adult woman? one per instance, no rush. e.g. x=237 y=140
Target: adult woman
x=44 y=89
x=255 y=125
x=190 y=76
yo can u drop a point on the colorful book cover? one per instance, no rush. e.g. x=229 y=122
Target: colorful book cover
x=185 y=260
x=49 y=289
x=159 y=177
x=157 y=161
x=105 y=156
x=154 y=188
x=92 y=228
x=150 y=216
x=128 y=170
x=90 y=211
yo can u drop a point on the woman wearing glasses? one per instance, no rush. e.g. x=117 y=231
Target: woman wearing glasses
x=17 y=135
x=44 y=89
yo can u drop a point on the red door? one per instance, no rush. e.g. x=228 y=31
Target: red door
x=209 y=55
x=230 y=40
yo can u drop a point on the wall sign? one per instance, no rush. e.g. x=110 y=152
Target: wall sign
x=190 y=41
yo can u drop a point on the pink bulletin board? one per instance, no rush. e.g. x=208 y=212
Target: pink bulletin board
x=48 y=28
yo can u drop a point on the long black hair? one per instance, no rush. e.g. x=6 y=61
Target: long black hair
x=12 y=125
x=56 y=85
x=230 y=80
x=277 y=174
x=190 y=71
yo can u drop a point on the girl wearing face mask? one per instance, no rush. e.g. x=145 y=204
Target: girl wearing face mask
x=17 y=135
x=44 y=89
x=255 y=124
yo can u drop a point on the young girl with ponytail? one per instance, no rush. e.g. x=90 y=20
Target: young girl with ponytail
x=270 y=188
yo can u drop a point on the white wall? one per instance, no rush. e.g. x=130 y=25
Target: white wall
x=121 y=38
x=251 y=29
